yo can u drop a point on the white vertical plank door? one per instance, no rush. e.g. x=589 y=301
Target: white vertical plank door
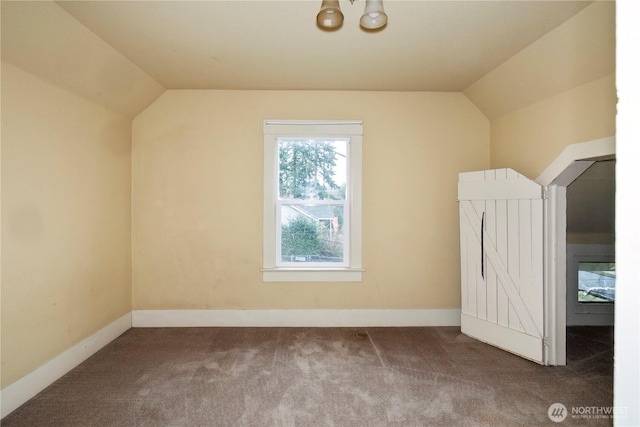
x=501 y=260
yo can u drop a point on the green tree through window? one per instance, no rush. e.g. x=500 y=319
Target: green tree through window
x=300 y=238
x=310 y=170
x=307 y=170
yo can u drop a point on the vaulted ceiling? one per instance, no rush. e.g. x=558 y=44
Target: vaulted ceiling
x=426 y=46
x=111 y=51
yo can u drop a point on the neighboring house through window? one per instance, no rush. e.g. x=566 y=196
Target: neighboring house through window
x=312 y=201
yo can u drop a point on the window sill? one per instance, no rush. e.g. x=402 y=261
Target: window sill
x=312 y=274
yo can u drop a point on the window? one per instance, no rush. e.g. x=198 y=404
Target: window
x=596 y=282
x=591 y=283
x=312 y=201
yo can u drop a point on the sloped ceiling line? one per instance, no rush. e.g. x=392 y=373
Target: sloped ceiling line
x=123 y=55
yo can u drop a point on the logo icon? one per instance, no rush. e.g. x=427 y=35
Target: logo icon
x=557 y=412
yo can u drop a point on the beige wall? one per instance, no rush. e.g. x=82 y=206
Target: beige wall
x=558 y=91
x=530 y=138
x=197 y=198
x=65 y=220
x=573 y=54
x=43 y=39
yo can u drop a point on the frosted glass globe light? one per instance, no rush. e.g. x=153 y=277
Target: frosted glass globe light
x=374 y=16
x=330 y=17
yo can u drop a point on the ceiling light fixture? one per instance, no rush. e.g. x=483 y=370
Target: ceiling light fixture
x=330 y=16
x=373 y=17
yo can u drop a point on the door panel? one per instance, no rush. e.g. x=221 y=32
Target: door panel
x=501 y=253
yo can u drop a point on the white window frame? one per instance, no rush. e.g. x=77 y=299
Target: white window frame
x=351 y=270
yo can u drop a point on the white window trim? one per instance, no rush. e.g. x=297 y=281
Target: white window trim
x=314 y=129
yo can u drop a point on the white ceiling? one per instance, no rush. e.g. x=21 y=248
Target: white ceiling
x=426 y=46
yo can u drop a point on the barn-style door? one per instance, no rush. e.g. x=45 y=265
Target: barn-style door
x=501 y=246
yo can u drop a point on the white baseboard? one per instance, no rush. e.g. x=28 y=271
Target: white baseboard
x=33 y=383
x=296 y=318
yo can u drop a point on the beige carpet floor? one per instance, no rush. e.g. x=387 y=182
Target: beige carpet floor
x=323 y=377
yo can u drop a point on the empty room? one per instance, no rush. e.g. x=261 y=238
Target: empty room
x=267 y=212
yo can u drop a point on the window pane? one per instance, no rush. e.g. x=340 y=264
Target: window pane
x=312 y=233
x=312 y=169
x=596 y=282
